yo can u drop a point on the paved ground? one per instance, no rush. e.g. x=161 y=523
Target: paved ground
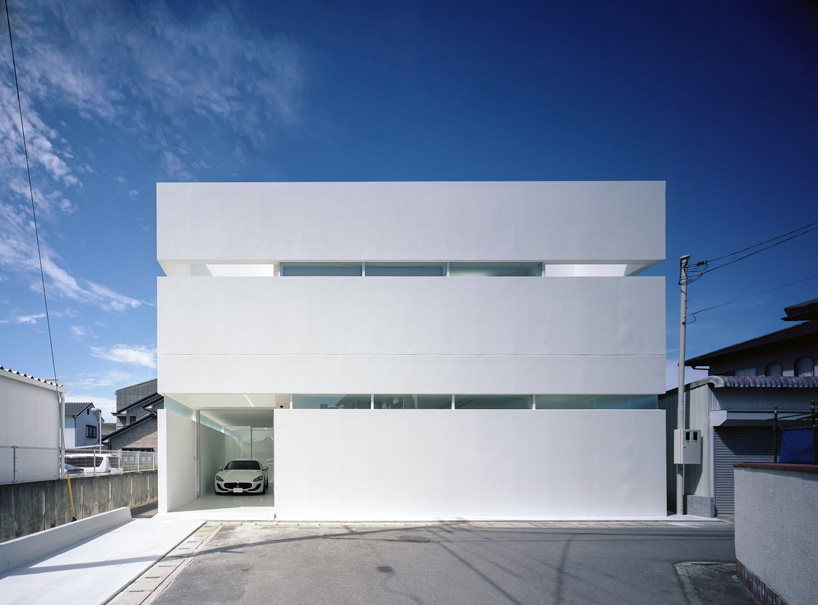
x=561 y=563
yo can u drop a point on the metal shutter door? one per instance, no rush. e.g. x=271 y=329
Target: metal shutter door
x=737 y=444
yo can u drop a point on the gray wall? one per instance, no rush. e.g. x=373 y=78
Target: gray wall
x=133 y=393
x=142 y=436
x=32 y=507
x=775 y=530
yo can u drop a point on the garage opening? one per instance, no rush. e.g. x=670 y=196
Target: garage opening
x=226 y=441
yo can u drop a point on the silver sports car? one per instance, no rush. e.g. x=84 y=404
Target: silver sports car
x=242 y=477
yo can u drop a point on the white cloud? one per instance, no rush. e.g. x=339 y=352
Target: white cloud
x=18 y=254
x=106 y=404
x=110 y=380
x=80 y=332
x=156 y=68
x=210 y=66
x=129 y=354
x=23 y=319
x=29 y=319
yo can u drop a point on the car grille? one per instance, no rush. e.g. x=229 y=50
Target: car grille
x=241 y=485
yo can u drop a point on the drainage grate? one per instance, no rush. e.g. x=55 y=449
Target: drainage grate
x=411 y=538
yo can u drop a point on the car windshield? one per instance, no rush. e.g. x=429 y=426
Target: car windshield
x=242 y=465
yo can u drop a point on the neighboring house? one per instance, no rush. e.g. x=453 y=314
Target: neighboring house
x=733 y=407
x=108 y=428
x=130 y=400
x=30 y=425
x=136 y=420
x=82 y=424
x=415 y=350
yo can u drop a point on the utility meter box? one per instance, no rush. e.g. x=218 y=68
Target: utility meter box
x=687 y=446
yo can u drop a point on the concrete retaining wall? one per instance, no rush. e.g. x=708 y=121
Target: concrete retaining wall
x=30 y=548
x=26 y=508
x=776 y=510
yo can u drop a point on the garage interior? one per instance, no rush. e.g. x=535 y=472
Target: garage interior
x=229 y=434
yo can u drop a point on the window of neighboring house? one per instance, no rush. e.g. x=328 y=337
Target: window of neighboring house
x=91 y=432
x=746 y=372
x=131 y=419
x=776 y=368
x=805 y=366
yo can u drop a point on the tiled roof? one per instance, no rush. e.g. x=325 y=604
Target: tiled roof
x=145 y=401
x=128 y=427
x=781 y=382
x=43 y=380
x=770 y=382
x=108 y=428
x=74 y=408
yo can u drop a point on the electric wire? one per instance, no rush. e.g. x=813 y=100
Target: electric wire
x=702 y=268
x=31 y=195
x=798 y=281
x=713 y=260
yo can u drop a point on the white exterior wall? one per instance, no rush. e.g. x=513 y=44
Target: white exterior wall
x=619 y=222
x=253 y=337
x=177 y=460
x=473 y=335
x=469 y=464
x=29 y=418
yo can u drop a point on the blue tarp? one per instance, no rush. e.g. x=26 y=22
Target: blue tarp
x=796 y=447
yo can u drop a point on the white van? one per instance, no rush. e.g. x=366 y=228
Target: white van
x=94 y=463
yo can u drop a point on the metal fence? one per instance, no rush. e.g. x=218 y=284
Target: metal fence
x=22 y=464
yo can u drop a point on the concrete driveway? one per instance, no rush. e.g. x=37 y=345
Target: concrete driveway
x=560 y=563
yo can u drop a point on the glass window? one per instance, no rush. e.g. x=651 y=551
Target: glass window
x=90 y=432
x=406 y=269
x=332 y=402
x=493 y=402
x=411 y=402
x=321 y=269
x=775 y=368
x=805 y=366
x=584 y=402
x=496 y=269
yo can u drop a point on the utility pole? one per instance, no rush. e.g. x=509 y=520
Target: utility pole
x=680 y=408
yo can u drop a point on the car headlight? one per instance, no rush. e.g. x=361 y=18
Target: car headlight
x=219 y=478
x=259 y=478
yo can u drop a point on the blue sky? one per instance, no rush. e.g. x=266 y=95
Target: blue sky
x=719 y=99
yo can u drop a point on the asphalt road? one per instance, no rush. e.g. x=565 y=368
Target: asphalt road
x=461 y=563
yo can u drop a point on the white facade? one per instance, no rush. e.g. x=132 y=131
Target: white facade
x=30 y=422
x=574 y=326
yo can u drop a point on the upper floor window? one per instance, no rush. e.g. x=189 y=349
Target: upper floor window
x=805 y=366
x=496 y=269
x=745 y=372
x=321 y=269
x=90 y=432
x=776 y=368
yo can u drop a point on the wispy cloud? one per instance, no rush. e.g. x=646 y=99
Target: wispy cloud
x=112 y=380
x=128 y=354
x=175 y=70
x=80 y=332
x=130 y=66
x=23 y=319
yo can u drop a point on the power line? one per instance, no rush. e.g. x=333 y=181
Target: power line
x=31 y=195
x=712 y=260
x=702 y=268
x=695 y=313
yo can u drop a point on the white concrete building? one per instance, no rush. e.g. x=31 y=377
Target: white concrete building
x=415 y=350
